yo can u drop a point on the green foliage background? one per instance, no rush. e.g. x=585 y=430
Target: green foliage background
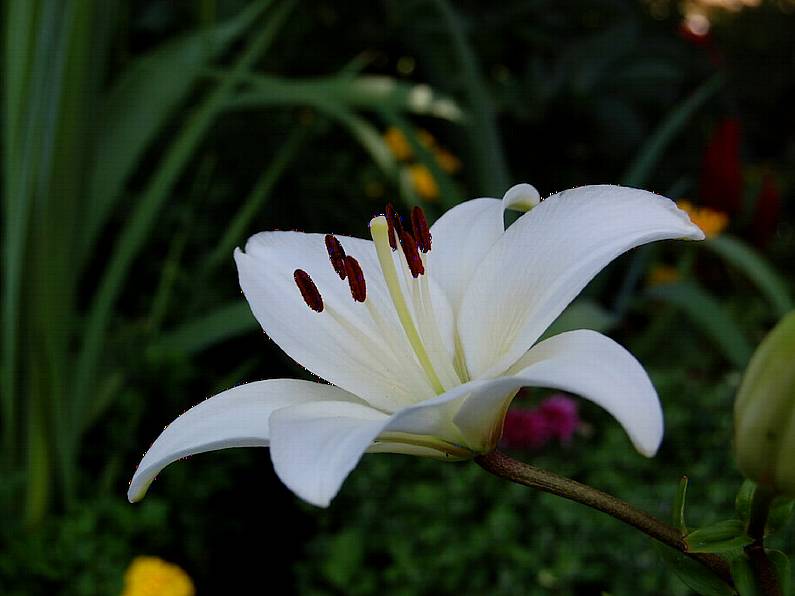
x=142 y=141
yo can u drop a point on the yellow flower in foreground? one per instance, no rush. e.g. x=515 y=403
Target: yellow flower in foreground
x=662 y=274
x=152 y=576
x=711 y=221
x=423 y=182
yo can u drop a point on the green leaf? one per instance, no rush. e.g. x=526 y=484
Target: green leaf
x=143 y=217
x=653 y=150
x=693 y=574
x=744 y=499
x=783 y=566
x=144 y=98
x=780 y=514
x=743 y=576
x=745 y=259
x=488 y=157
x=679 y=505
x=706 y=313
x=221 y=324
x=719 y=537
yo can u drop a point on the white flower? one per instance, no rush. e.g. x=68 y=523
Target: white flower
x=425 y=346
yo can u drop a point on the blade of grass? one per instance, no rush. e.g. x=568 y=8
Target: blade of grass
x=223 y=323
x=362 y=92
x=489 y=159
x=256 y=199
x=655 y=146
x=136 y=231
x=745 y=259
x=706 y=313
x=144 y=98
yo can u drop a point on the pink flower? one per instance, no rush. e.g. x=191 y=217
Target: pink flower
x=554 y=418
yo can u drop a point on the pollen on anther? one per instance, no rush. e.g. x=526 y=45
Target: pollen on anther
x=394 y=227
x=419 y=225
x=355 y=279
x=412 y=254
x=336 y=254
x=309 y=291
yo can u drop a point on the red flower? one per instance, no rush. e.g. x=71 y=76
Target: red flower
x=721 y=185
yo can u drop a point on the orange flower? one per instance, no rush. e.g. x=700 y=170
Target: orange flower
x=711 y=221
x=662 y=274
x=398 y=143
x=423 y=182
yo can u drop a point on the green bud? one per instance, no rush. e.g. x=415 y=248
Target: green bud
x=764 y=413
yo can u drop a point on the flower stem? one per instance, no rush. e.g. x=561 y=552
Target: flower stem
x=763 y=569
x=506 y=467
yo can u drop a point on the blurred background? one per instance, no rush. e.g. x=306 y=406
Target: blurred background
x=143 y=141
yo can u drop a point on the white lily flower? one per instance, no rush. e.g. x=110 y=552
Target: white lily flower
x=426 y=336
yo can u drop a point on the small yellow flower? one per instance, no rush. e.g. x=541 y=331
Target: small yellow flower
x=447 y=161
x=423 y=182
x=152 y=576
x=662 y=274
x=711 y=221
x=398 y=143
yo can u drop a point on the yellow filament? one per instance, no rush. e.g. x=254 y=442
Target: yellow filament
x=379 y=230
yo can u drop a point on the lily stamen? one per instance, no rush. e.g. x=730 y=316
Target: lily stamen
x=355 y=278
x=419 y=225
x=309 y=291
x=394 y=225
x=411 y=251
x=336 y=254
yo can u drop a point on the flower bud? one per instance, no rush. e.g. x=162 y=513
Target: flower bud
x=764 y=413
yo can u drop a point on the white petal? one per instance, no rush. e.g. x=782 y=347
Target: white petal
x=342 y=344
x=237 y=417
x=521 y=197
x=546 y=258
x=461 y=238
x=314 y=446
x=585 y=363
x=597 y=368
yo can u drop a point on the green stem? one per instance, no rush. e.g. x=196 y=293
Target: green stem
x=506 y=467
x=764 y=571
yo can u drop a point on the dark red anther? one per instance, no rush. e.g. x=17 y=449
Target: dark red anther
x=337 y=255
x=419 y=225
x=412 y=254
x=309 y=290
x=355 y=279
x=395 y=227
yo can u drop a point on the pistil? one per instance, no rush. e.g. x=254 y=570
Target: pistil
x=380 y=230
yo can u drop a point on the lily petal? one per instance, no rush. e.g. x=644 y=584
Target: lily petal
x=540 y=264
x=342 y=344
x=314 y=446
x=461 y=238
x=237 y=417
x=583 y=362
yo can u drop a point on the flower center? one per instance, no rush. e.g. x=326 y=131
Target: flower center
x=404 y=266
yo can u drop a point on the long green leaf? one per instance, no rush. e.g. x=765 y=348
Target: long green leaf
x=744 y=258
x=144 y=216
x=484 y=138
x=653 y=150
x=143 y=99
x=225 y=322
x=258 y=196
x=706 y=313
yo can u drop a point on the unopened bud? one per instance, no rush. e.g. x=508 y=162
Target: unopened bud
x=764 y=413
